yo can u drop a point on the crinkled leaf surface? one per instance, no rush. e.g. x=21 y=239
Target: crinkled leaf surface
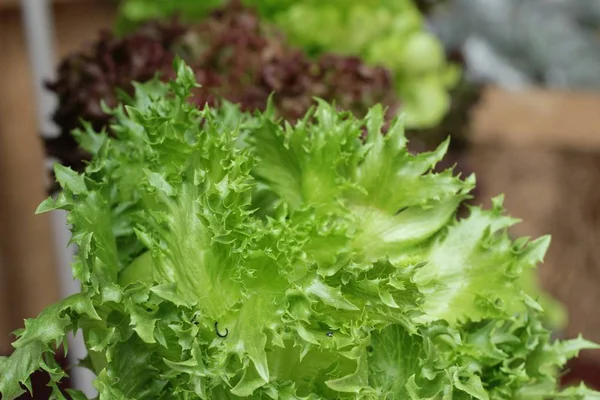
x=224 y=255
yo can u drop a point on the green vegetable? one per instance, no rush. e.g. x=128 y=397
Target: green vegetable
x=390 y=33
x=224 y=255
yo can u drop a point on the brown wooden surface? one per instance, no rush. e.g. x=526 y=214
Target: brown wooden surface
x=29 y=278
x=5 y=4
x=4 y=313
x=538 y=118
x=28 y=257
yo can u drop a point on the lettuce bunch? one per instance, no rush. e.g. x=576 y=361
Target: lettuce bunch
x=390 y=33
x=227 y=255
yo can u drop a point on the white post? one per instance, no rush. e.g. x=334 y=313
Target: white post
x=39 y=31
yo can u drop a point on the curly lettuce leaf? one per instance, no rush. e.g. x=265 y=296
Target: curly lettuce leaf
x=224 y=255
x=38 y=341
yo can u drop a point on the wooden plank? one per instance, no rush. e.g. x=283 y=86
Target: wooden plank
x=26 y=244
x=7 y=4
x=538 y=118
x=5 y=340
x=80 y=23
x=27 y=247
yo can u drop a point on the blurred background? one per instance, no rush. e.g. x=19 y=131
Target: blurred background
x=515 y=83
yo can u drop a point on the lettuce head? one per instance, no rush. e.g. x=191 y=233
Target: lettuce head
x=226 y=255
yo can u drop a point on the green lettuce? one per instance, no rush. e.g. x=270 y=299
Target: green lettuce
x=226 y=255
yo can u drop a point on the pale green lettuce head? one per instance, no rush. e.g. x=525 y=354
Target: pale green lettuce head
x=224 y=255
